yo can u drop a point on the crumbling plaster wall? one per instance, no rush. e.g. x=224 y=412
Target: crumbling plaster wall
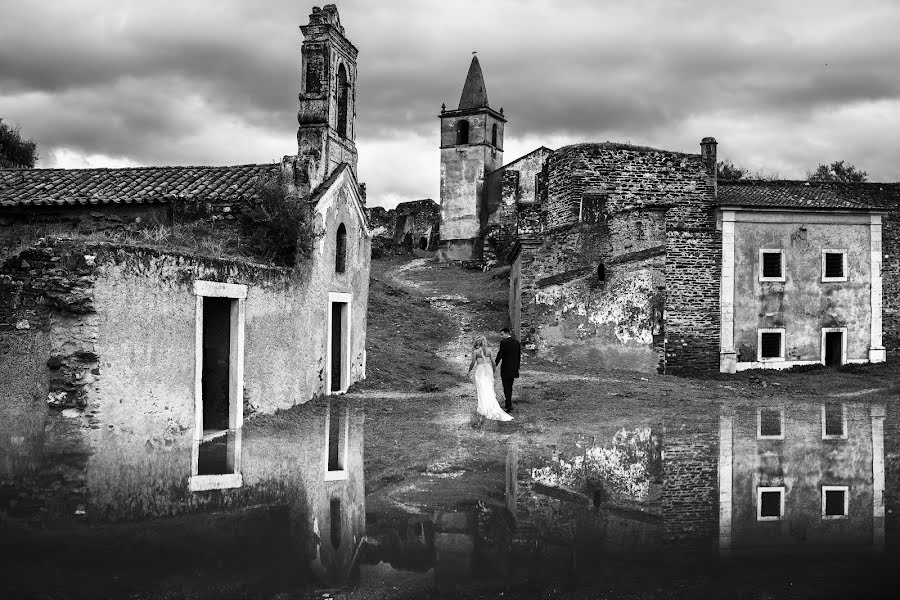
x=803 y=304
x=802 y=462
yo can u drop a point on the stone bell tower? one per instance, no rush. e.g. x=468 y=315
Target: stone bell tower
x=471 y=147
x=327 y=115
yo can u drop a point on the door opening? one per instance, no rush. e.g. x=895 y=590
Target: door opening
x=217 y=446
x=834 y=346
x=339 y=330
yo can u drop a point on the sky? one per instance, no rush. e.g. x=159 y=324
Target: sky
x=783 y=86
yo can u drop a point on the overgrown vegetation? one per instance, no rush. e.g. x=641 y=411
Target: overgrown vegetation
x=838 y=171
x=15 y=152
x=278 y=225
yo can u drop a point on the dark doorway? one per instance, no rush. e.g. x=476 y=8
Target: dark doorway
x=216 y=362
x=337 y=345
x=423 y=243
x=834 y=347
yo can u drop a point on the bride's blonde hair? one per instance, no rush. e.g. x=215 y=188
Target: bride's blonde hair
x=480 y=342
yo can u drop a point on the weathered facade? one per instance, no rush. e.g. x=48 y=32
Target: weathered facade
x=413 y=224
x=147 y=380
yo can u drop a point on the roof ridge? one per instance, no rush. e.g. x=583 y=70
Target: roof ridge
x=141 y=168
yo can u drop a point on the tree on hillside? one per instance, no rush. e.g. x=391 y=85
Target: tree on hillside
x=837 y=171
x=16 y=153
x=726 y=171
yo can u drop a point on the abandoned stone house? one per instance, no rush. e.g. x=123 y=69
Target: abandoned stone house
x=637 y=257
x=409 y=225
x=144 y=380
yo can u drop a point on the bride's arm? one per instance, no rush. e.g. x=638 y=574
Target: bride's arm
x=472 y=363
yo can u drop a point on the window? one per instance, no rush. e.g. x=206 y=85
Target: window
x=835 y=501
x=769 y=503
x=834 y=265
x=462 y=133
x=494 y=135
x=770 y=423
x=770 y=344
x=340 y=250
x=218 y=385
x=343 y=100
x=337 y=424
x=771 y=265
x=834 y=422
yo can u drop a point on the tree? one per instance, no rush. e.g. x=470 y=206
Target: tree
x=726 y=171
x=837 y=171
x=16 y=153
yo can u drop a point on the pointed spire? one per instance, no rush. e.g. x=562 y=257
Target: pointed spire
x=474 y=94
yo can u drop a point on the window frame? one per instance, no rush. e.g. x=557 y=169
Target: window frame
x=343 y=473
x=843 y=435
x=759 y=433
x=765 y=489
x=782 y=350
x=762 y=277
x=238 y=293
x=346 y=344
x=843 y=253
x=836 y=488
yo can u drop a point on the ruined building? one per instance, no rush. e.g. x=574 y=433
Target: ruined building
x=141 y=368
x=413 y=224
x=637 y=257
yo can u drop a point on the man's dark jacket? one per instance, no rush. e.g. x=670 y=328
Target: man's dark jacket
x=508 y=357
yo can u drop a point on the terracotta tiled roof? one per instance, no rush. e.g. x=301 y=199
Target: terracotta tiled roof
x=47 y=187
x=799 y=194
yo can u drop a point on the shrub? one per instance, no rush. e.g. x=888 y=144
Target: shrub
x=278 y=224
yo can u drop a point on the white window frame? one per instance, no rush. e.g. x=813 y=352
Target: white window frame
x=343 y=473
x=843 y=435
x=759 y=434
x=760 y=264
x=347 y=333
x=841 y=251
x=836 y=488
x=759 y=493
x=759 y=356
x=215 y=289
x=841 y=330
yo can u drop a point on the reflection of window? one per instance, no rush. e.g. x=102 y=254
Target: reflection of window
x=336 y=434
x=834 y=421
x=462 y=132
x=770 y=423
x=769 y=503
x=835 y=501
x=219 y=389
x=834 y=265
x=771 y=265
x=771 y=344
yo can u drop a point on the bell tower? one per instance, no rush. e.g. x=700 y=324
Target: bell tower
x=327 y=115
x=471 y=147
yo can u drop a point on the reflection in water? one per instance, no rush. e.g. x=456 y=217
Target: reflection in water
x=744 y=479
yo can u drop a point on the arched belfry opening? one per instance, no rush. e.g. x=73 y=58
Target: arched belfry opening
x=462 y=132
x=343 y=93
x=494 y=135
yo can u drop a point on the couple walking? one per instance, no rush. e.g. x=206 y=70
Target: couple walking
x=508 y=358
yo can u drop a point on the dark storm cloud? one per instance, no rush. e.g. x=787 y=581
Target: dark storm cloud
x=216 y=82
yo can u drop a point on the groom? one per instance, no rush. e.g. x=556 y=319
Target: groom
x=509 y=354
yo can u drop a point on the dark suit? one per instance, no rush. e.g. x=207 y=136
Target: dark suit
x=509 y=357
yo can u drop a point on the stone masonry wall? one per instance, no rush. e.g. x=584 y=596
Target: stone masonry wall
x=628 y=178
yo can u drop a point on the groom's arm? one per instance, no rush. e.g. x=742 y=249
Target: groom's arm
x=499 y=354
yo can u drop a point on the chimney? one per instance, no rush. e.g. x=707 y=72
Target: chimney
x=708 y=156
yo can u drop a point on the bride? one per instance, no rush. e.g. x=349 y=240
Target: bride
x=484 y=382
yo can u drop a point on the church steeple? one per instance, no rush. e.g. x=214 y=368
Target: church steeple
x=474 y=94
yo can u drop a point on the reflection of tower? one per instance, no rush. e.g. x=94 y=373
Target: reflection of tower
x=471 y=147
x=327 y=115
x=801 y=475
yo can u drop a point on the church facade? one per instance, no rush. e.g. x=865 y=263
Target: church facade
x=636 y=257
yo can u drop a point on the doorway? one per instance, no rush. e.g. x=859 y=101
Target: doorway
x=338 y=355
x=834 y=348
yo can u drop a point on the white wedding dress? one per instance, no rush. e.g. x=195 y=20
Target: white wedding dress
x=488 y=406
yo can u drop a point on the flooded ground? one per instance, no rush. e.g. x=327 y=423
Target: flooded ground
x=607 y=483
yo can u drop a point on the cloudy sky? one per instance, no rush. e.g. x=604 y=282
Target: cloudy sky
x=783 y=86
